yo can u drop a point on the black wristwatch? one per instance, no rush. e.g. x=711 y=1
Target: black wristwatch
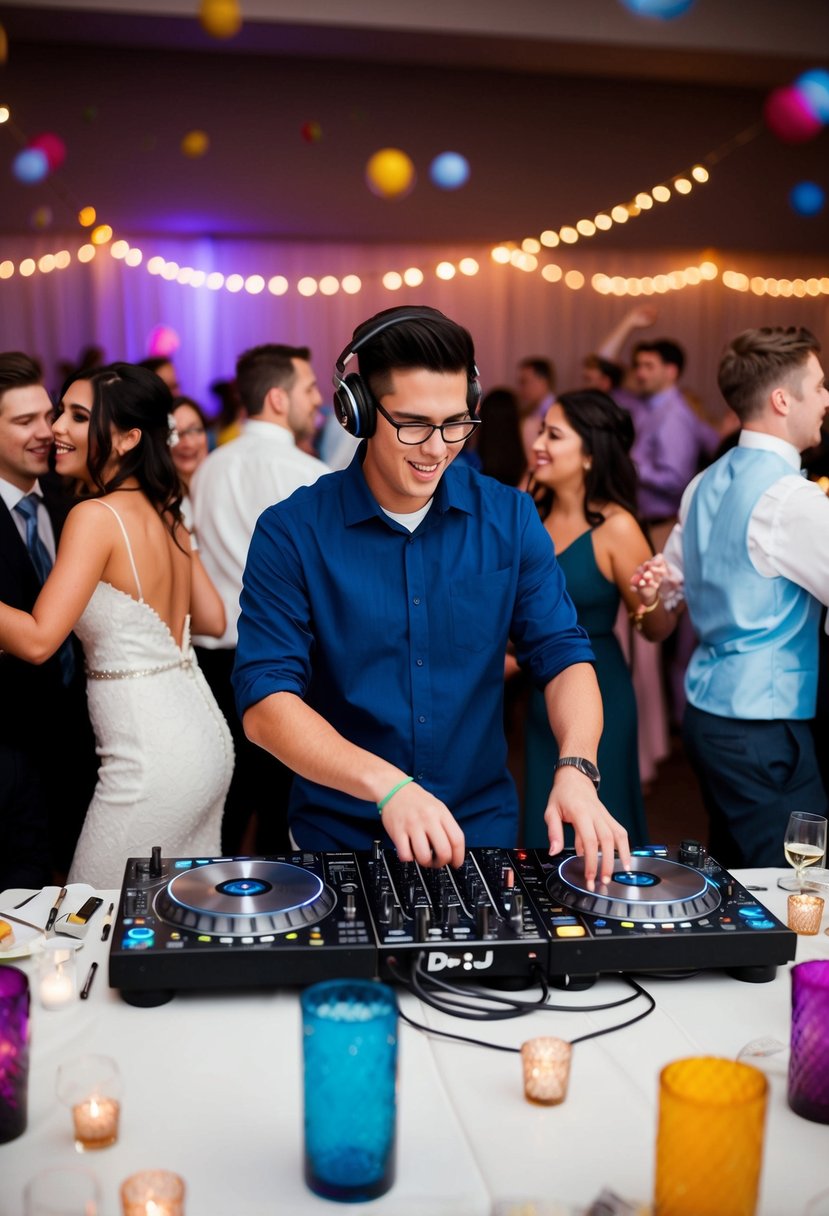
x=584 y=766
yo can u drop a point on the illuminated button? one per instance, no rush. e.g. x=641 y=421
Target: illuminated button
x=600 y=923
x=203 y=861
x=564 y=920
x=569 y=931
x=270 y=938
x=142 y=935
x=227 y=941
x=685 y=924
x=247 y=941
x=291 y=937
x=728 y=926
x=667 y=925
x=628 y=924
x=752 y=912
x=316 y=941
x=761 y=924
x=175 y=936
x=183 y=865
x=139 y=920
x=203 y=937
x=649 y=925
x=725 y=920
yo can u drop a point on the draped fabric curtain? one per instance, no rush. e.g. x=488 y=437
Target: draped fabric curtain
x=510 y=312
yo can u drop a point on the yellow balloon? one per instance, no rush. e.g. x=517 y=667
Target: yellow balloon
x=390 y=173
x=195 y=144
x=220 y=18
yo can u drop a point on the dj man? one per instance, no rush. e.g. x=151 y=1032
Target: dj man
x=376 y=609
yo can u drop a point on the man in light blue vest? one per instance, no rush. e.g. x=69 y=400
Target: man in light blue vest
x=752 y=545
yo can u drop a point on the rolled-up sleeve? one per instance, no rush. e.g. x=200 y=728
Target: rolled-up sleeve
x=273 y=653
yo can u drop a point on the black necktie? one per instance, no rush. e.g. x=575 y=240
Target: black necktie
x=42 y=562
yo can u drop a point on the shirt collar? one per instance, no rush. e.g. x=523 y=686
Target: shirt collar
x=269 y=431
x=453 y=493
x=12 y=494
x=762 y=442
x=658 y=400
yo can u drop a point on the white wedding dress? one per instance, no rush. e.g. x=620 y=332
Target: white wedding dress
x=165 y=749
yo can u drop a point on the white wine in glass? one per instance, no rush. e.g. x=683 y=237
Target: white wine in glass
x=804 y=845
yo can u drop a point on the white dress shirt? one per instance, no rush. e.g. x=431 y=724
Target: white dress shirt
x=11 y=496
x=229 y=492
x=788 y=533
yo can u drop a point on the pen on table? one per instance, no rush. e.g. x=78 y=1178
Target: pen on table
x=87 y=984
x=107 y=923
x=53 y=911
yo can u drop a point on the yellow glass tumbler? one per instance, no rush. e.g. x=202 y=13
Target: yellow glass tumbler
x=709 y=1146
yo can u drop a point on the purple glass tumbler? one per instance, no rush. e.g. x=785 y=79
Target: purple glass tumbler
x=809 y=1059
x=14 y=1052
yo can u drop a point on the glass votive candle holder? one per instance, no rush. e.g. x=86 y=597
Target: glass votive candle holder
x=546 y=1064
x=62 y=1191
x=153 y=1193
x=805 y=913
x=808 y=1090
x=711 y=1126
x=91 y=1087
x=57 y=984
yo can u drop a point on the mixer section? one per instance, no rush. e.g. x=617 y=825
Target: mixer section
x=476 y=921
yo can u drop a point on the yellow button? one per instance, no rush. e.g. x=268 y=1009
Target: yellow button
x=628 y=924
x=569 y=931
x=291 y=937
x=203 y=938
x=175 y=937
x=316 y=941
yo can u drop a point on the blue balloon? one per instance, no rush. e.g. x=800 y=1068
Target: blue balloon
x=807 y=198
x=665 y=10
x=813 y=87
x=30 y=166
x=449 y=171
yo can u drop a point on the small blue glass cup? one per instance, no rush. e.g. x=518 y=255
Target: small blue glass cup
x=349 y=1036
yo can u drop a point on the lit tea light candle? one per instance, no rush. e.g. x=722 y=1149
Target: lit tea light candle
x=96 y=1123
x=546 y=1063
x=805 y=913
x=153 y=1193
x=57 y=988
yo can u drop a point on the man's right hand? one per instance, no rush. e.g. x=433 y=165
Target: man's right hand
x=423 y=829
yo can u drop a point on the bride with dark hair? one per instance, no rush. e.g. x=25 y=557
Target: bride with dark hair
x=127 y=582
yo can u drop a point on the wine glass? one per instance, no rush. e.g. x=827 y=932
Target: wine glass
x=804 y=845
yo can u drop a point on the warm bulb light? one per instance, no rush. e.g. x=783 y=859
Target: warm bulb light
x=87 y=217
x=501 y=254
x=549 y=238
x=660 y=194
x=307 y=286
x=254 y=283
x=277 y=285
x=86 y=253
x=568 y=234
x=196 y=279
x=586 y=227
x=699 y=173
x=5 y=114
x=27 y=267
x=351 y=284
x=119 y=249
x=392 y=281
x=234 y=283
x=215 y=281
x=682 y=185
x=531 y=245
x=468 y=266
x=169 y=271
x=185 y=275
x=329 y=285
x=619 y=214
x=552 y=273
x=6 y=269
x=445 y=271
x=101 y=235
x=63 y=259
x=574 y=279
x=643 y=201
x=47 y=263
x=413 y=277
x=709 y=270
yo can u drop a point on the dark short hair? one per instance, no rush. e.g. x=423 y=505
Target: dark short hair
x=757 y=359
x=262 y=368
x=155 y=362
x=422 y=338
x=668 y=351
x=17 y=371
x=544 y=368
x=614 y=372
x=499 y=444
x=126 y=396
x=606 y=432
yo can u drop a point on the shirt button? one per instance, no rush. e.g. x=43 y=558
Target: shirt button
x=422 y=718
x=420 y=776
x=420 y=662
x=416 y=599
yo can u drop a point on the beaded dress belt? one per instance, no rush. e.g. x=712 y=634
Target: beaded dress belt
x=135 y=675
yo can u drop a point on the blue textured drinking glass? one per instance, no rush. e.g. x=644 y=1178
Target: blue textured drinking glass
x=349 y=1036
x=14 y=1052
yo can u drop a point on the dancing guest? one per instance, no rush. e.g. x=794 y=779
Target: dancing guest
x=752 y=546
x=584 y=484
x=126 y=581
x=189 y=448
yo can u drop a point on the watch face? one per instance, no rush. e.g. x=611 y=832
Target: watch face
x=584 y=766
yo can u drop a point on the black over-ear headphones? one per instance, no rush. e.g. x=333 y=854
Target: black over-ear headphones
x=353 y=399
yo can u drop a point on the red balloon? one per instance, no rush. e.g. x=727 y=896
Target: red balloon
x=52 y=147
x=788 y=116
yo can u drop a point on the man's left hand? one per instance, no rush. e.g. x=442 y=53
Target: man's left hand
x=574 y=800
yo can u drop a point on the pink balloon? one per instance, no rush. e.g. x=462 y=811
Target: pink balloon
x=163 y=342
x=788 y=116
x=52 y=147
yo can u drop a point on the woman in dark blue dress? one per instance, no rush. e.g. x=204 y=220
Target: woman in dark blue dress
x=585 y=485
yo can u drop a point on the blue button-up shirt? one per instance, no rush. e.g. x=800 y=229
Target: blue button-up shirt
x=397 y=639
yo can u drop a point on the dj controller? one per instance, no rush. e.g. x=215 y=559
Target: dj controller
x=505 y=915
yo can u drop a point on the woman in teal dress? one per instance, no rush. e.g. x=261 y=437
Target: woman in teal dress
x=584 y=483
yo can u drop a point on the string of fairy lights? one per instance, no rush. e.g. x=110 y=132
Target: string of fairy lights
x=528 y=256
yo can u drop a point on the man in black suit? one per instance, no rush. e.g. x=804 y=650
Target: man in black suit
x=47 y=750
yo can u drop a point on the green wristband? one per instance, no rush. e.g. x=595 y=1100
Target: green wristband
x=381 y=804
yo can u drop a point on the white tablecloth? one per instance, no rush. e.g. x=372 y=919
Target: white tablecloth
x=212 y=1090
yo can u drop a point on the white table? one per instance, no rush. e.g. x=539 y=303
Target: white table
x=212 y=1090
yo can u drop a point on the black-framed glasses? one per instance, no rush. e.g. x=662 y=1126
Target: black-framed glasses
x=413 y=433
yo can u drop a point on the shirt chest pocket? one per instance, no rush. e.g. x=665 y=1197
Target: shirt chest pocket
x=481 y=609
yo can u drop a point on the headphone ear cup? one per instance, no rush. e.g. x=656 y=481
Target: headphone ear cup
x=355 y=406
x=473 y=395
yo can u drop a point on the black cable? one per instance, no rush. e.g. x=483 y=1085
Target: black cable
x=630 y=1022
